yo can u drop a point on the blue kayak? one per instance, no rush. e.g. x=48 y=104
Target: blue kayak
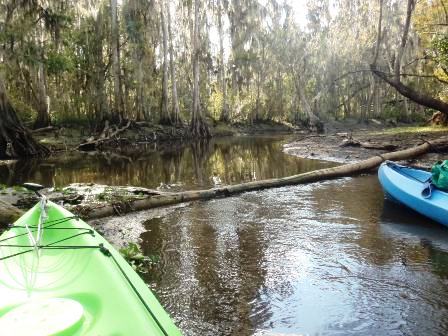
x=410 y=187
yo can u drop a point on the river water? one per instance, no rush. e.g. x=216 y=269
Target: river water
x=192 y=166
x=328 y=258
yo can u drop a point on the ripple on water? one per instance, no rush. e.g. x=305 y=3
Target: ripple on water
x=318 y=259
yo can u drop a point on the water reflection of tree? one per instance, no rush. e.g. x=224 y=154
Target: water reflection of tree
x=235 y=160
x=152 y=246
x=361 y=199
x=200 y=151
x=18 y=172
x=228 y=257
x=172 y=167
x=437 y=258
x=215 y=272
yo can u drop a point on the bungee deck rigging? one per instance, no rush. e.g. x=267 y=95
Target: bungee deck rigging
x=59 y=266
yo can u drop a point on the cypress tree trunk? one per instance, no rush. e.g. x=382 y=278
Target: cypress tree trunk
x=100 y=100
x=117 y=114
x=314 y=122
x=198 y=126
x=222 y=71
x=139 y=113
x=164 y=114
x=175 y=100
x=43 y=100
x=15 y=140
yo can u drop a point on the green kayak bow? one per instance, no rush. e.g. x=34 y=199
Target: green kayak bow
x=58 y=276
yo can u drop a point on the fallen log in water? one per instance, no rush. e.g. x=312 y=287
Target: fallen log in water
x=168 y=198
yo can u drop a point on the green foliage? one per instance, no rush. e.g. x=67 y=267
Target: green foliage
x=68 y=191
x=417 y=130
x=113 y=195
x=102 y=197
x=133 y=254
x=392 y=112
x=25 y=112
x=67 y=119
x=54 y=20
x=215 y=104
x=266 y=52
x=398 y=114
x=419 y=117
x=18 y=188
x=58 y=63
x=440 y=45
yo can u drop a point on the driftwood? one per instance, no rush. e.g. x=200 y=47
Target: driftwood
x=382 y=146
x=44 y=129
x=143 y=124
x=106 y=135
x=167 y=198
x=367 y=145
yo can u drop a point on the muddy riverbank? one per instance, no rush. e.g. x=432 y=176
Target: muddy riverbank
x=67 y=138
x=349 y=147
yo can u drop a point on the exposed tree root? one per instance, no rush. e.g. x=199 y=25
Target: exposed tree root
x=199 y=129
x=106 y=135
x=15 y=140
x=438 y=118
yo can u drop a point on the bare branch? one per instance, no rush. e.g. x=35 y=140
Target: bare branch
x=351 y=73
x=424 y=58
x=444 y=10
x=404 y=39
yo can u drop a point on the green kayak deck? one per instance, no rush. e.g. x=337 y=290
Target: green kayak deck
x=76 y=283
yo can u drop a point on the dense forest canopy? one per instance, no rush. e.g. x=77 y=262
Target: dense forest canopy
x=178 y=61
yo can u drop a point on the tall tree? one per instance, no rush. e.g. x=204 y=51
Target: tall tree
x=97 y=80
x=198 y=126
x=15 y=140
x=222 y=69
x=43 y=100
x=394 y=79
x=165 y=117
x=174 y=96
x=117 y=113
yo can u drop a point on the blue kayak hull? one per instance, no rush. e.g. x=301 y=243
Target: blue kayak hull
x=405 y=185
